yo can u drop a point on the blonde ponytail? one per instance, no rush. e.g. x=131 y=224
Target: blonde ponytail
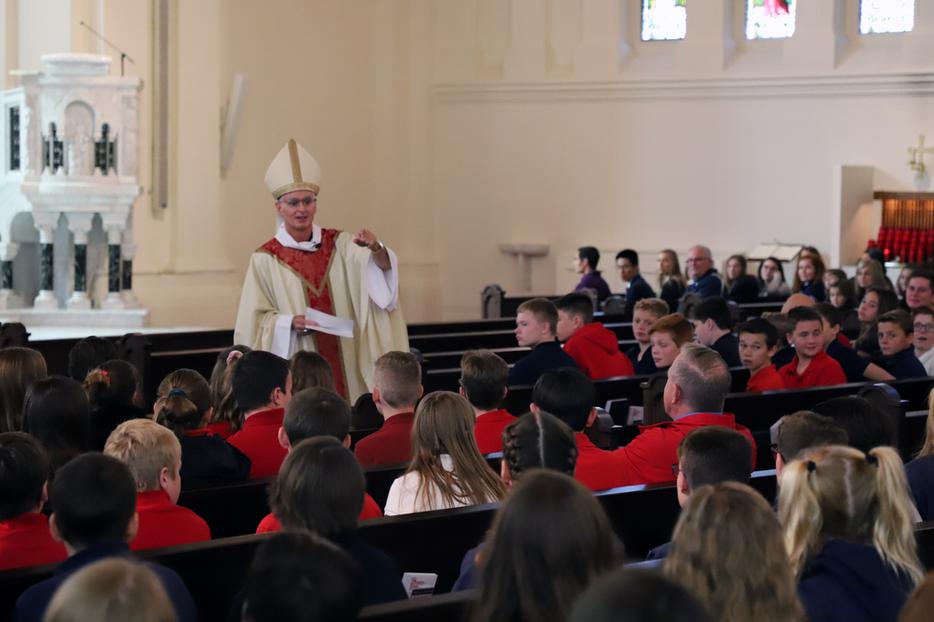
x=893 y=533
x=799 y=511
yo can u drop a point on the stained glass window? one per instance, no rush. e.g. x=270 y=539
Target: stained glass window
x=664 y=19
x=770 y=19
x=877 y=16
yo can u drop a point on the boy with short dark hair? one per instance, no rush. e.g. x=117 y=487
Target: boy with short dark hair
x=804 y=430
x=94 y=498
x=24 y=531
x=627 y=260
x=713 y=326
x=758 y=343
x=536 y=328
x=586 y=264
x=896 y=336
x=262 y=386
x=154 y=456
x=483 y=383
x=855 y=367
x=593 y=347
x=810 y=366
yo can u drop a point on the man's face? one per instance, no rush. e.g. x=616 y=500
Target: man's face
x=698 y=263
x=892 y=339
x=297 y=210
x=627 y=271
x=807 y=338
x=567 y=325
x=924 y=332
x=642 y=321
x=530 y=331
x=754 y=352
x=580 y=264
x=705 y=332
x=919 y=293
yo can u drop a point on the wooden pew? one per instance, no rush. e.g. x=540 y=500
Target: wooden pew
x=448 y=607
x=490 y=339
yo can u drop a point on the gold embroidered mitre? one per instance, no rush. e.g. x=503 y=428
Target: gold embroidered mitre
x=293 y=169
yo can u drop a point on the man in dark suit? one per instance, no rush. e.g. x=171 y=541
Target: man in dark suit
x=627 y=261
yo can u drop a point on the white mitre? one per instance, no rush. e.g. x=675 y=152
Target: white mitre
x=293 y=169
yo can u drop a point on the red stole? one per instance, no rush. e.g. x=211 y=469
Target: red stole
x=313 y=268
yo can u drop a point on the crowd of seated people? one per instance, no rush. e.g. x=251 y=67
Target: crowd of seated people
x=90 y=474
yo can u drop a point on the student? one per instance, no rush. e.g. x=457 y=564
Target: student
x=315 y=413
x=397 y=387
x=809 y=278
x=646 y=312
x=111 y=589
x=593 y=347
x=901 y=283
x=668 y=334
x=226 y=417
x=698 y=382
x=94 y=497
x=758 y=343
x=586 y=264
x=847 y=522
x=739 y=286
x=896 y=335
x=803 y=430
x=875 y=302
x=112 y=390
x=446 y=470
x=19 y=368
x=536 y=328
x=708 y=456
x=772 y=285
x=310 y=370
x=923 y=324
x=630 y=595
x=627 y=260
x=727 y=550
x=320 y=488
x=534 y=569
x=870 y=274
x=183 y=403
x=713 y=327
x=536 y=440
x=24 y=531
x=811 y=366
x=483 y=383
x=57 y=414
x=154 y=456
x=300 y=577
x=87 y=354
x=833 y=277
x=569 y=395
x=856 y=368
x=920 y=289
x=262 y=385
x=704 y=280
x=843 y=297
x=920 y=471
x=671 y=283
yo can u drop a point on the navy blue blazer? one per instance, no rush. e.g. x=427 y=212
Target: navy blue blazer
x=706 y=286
x=544 y=356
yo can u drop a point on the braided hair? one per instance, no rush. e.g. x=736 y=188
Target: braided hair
x=539 y=441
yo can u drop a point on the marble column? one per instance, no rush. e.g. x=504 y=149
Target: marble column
x=8 y=298
x=128 y=252
x=46 y=223
x=80 y=226
x=114 y=300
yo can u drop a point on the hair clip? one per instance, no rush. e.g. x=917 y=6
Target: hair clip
x=233 y=356
x=178 y=392
x=871 y=459
x=812 y=466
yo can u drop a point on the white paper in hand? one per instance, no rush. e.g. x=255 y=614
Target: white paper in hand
x=330 y=324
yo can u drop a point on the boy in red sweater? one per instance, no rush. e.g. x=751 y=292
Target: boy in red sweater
x=483 y=383
x=154 y=457
x=758 y=343
x=25 y=539
x=811 y=366
x=593 y=347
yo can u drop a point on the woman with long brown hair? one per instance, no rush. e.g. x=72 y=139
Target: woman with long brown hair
x=548 y=542
x=727 y=550
x=19 y=368
x=447 y=470
x=849 y=533
x=671 y=281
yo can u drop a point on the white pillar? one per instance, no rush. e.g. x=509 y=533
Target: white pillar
x=46 y=224
x=80 y=225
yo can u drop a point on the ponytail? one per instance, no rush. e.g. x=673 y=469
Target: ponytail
x=111 y=385
x=893 y=533
x=799 y=512
x=224 y=402
x=184 y=398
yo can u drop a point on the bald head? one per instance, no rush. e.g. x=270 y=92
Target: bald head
x=699 y=261
x=797 y=300
x=698 y=381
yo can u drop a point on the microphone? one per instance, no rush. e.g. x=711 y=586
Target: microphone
x=123 y=55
